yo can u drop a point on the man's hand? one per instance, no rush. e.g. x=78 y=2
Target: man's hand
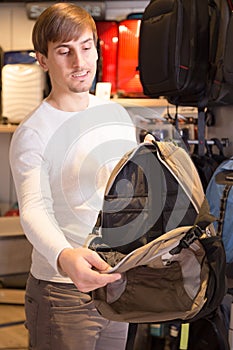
x=85 y=268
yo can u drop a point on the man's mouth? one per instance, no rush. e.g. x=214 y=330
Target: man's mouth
x=81 y=74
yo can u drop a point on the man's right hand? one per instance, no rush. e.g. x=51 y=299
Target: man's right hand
x=85 y=268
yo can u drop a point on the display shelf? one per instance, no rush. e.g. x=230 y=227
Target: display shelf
x=7 y=128
x=142 y=102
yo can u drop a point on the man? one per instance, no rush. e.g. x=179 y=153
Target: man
x=61 y=157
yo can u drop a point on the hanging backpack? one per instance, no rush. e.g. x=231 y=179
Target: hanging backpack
x=185 y=51
x=174 y=49
x=220 y=196
x=220 y=76
x=155 y=229
x=208 y=163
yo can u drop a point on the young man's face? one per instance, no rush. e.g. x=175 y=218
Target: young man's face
x=71 y=65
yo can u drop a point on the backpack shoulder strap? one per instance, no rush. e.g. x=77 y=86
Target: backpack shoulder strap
x=227 y=180
x=204 y=218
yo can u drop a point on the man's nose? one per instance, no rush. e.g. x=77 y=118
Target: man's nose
x=78 y=59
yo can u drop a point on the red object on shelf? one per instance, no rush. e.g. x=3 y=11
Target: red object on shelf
x=128 y=81
x=108 y=40
x=12 y=212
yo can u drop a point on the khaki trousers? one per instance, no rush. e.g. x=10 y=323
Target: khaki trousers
x=59 y=317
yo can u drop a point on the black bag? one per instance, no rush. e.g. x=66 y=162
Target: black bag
x=185 y=51
x=220 y=77
x=209 y=333
x=207 y=164
x=173 y=49
x=206 y=333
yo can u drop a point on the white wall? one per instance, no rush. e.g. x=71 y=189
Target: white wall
x=16 y=28
x=15 y=33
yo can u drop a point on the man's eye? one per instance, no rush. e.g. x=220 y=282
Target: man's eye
x=63 y=52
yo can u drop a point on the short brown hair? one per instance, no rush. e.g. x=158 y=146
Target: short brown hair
x=61 y=22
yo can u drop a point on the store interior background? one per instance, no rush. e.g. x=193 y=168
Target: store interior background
x=15 y=34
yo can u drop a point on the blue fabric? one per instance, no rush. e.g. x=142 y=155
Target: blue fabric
x=214 y=194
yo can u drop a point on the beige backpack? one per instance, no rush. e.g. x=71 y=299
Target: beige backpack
x=156 y=230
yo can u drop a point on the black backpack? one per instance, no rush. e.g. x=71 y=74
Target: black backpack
x=185 y=51
x=220 y=77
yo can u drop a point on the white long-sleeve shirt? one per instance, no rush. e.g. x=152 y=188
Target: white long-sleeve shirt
x=61 y=162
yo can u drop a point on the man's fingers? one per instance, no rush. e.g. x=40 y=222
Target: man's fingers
x=99 y=264
x=96 y=280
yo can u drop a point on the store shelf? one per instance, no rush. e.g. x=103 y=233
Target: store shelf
x=7 y=128
x=142 y=102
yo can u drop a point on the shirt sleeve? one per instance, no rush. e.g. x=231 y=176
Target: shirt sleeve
x=30 y=172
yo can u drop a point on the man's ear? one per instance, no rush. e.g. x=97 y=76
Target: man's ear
x=42 y=61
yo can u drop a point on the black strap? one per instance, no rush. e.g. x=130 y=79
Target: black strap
x=223 y=203
x=201 y=131
x=95 y=230
x=203 y=220
x=218 y=144
x=132 y=331
x=191 y=235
